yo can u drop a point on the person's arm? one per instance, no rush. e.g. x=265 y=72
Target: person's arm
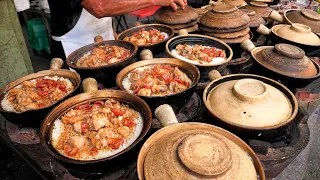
x=103 y=8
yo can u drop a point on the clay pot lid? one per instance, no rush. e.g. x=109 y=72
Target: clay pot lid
x=260 y=8
x=250 y=103
x=238 y=3
x=286 y=59
x=296 y=32
x=197 y=153
x=255 y=19
x=310 y=14
x=224 y=16
x=166 y=15
x=306 y=17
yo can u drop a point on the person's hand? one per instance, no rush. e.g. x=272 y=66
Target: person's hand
x=172 y=3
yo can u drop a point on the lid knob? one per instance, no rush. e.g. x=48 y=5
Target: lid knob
x=289 y=51
x=310 y=14
x=250 y=90
x=205 y=154
x=222 y=8
x=300 y=28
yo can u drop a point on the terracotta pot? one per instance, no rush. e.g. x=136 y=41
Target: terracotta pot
x=296 y=34
x=93 y=94
x=157 y=47
x=205 y=41
x=285 y=62
x=107 y=73
x=167 y=15
x=251 y=106
x=195 y=151
x=305 y=16
x=224 y=16
x=260 y=8
x=34 y=117
x=173 y=99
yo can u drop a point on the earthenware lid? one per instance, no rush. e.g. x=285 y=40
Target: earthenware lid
x=249 y=102
x=167 y=15
x=255 y=19
x=238 y=3
x=196 y=153
x=224 y=16
x=285 y=59
x=260 y=8
x=306 y=17
x=298 y=33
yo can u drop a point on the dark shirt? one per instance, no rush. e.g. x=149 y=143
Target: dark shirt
x=64 y=15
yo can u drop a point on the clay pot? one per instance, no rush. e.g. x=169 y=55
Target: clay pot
x=251 y=106
x=92 y=94
x=224 y=16
x=260 y=8
x=305 y=16
x=285 y=62
x=195 y=151
x=296 y=34
x=33 y=118
x=167 y=15
x=193 y=39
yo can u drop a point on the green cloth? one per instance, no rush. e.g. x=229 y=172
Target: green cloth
x=14 y=57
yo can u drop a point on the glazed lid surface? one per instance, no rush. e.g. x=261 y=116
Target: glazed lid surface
x=260 y=8
x=249 y=102
x=285 y=59
x=166 y=15
x=255 y=19
x=196 y=151
x=296 y=32
x=306 y=17
x=224 y=16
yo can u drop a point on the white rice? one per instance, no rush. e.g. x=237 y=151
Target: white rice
x=214 y=61
x=58 y=129
x=6 y=104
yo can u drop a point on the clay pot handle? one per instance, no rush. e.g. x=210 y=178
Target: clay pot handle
x=247 y=45
x=214 y=75
x=146 y=54
x=89 y=85
x=98 y=39
x=262 y=29
x=56 y=63
x=182 y=32
x=165 y=115
x=275 y=15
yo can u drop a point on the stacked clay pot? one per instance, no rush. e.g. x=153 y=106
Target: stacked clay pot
x=181 y=19
x=227 y=23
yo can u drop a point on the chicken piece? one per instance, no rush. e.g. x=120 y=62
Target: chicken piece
x=34 y=96
x=29 y=84
x=77 y=126
x=124 y=131
x=72 y=119
x=98 y=121
x=144 y=92
x=77 y=142
x=106 y=133
x=12 y=94
x=159 y=88
x=31 y=106
x=56 y=94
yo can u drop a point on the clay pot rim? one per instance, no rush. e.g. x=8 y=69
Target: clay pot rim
x=204 y=36
x=291 y=118
x=151 y=140
x=261 y=48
